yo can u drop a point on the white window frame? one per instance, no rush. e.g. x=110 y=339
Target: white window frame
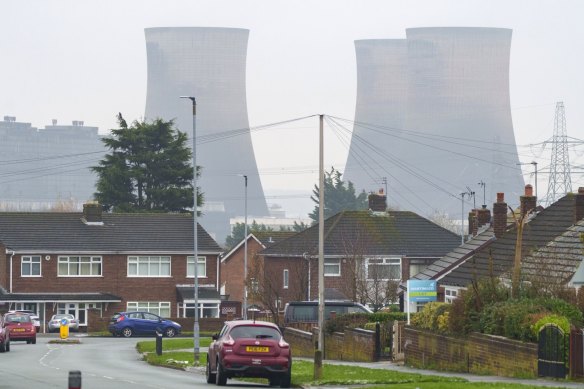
x=207 y=308
x=30 y=261
x=191 y=268
x=329 y=262
x=75 y=308
x=384 y=261
x=67 y=260
x=285 y=278
x=145 y=261
x=451 y=294
x=160 y=308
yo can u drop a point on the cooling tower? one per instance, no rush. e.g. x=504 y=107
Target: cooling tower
x=454 y=126
x=209 y=64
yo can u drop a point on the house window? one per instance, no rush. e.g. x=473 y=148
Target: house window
x=80 y=266
x=144 y=266
x=450 y=295
x=30 y=266
x=160 y=308
x=206 y=309
x=384 y=269
x=201 y=267
x=332 y=267
x=285 y=279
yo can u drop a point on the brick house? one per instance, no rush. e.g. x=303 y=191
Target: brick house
x=232 y=263
x=68 y=262
x=552 y=250
x=366 y=253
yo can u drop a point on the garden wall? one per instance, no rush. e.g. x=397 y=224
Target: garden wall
x=352 y=345
x=477 y=354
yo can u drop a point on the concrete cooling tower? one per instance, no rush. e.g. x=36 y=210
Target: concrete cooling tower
x=447 y=129
x=209 y=64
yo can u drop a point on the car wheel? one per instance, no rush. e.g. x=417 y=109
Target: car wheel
x=3 y=347
x=274 y=381
x=220 y=378
x=285 y=381
x=170 y=332
x=8 y=346
x=28 y=341
x=210 y=376
x=127 y=332
x=33 y=341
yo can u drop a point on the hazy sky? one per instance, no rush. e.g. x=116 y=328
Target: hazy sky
x=86 y=60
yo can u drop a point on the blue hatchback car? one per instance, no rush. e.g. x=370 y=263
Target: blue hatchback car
x=127 y=324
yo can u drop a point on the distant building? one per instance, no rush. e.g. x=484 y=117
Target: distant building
x=433 y=111
x=208 y=64
x=40 y=168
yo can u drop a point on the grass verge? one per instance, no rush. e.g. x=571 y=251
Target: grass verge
x=457 y=385
x=149 y=346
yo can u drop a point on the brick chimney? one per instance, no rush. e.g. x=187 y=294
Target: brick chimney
x=579 y=205
x=378 y=201
x=528 y=201
x=92 y=212
x=483 y=216
x=500 y=215
x=473 y=223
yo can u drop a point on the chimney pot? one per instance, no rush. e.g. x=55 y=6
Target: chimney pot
x=501 y=197
x=528 y=201
x=528 y=190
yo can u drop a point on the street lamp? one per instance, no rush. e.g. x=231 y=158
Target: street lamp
x=195 y=232
x=245 y=252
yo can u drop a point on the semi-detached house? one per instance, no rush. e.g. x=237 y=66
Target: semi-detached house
x=69 y=262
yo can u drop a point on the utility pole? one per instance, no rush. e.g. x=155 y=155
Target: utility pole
x=467 y=193
x=245 y=256
x=319 y=353
x=195 y=233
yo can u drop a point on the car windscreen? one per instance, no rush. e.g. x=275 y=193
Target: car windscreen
x=254 y=332
x=17 y=319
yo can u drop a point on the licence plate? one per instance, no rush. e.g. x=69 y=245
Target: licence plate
x=19 y=330
x=254 y=349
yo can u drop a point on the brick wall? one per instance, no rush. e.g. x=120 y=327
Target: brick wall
x=477 y=354
x=353 y=345
x=232 y=273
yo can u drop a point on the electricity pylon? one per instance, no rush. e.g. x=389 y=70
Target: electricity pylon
x=559 y=182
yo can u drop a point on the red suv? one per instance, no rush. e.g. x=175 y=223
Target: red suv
x=246 y=348
x=4 y=337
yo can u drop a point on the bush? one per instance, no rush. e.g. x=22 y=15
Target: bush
x=434 y=316
x=560 y=321
x=358 y=320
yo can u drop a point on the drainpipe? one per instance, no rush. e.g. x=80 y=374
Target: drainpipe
x=11 y=255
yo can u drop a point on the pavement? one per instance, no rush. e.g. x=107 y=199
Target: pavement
x=388 y=365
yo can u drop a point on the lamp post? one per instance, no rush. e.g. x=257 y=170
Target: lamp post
x=195 y=233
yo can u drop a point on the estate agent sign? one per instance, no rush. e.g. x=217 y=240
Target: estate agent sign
x=420 y=291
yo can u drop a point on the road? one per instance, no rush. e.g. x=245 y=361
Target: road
x=104 y=363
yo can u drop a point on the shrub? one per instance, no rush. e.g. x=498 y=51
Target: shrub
x=560 y=321
x=434 y=316
x=358 y=320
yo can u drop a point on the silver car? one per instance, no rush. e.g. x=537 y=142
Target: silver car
x=55 y=322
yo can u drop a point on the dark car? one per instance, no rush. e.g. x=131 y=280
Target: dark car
x=307 y=311
x=20 y=326
x=4 y=337
x=128 y=324
x=246 y=348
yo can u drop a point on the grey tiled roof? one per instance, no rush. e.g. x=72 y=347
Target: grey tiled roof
x=439 y=268
x=271 y=238
x=50 y=297
x=498 y=257
x=137 y=232
x=397 y=233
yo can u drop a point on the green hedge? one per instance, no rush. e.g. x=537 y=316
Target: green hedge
x=359 y=320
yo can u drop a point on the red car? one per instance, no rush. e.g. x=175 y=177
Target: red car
x=246 y=348
x=4 y=337
x=20 y=326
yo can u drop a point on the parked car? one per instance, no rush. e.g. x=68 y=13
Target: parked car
x=4 y=336
x=128 y=324
x=55 y=322
x=246 y=348
x=20 y=326
x=36 y=321
x=307 y=311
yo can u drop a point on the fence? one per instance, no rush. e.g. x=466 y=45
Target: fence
x=577 y=353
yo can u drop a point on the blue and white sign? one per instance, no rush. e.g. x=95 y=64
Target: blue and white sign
x=422 y=290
